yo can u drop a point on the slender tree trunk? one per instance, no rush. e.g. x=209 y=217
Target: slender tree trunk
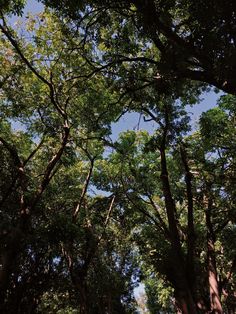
x=216 y=307
x=191 y=231
x=183 y=293
x=78 y=278
x=184 y=298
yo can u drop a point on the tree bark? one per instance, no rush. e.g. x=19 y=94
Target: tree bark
x=191 y=231
x=83 y=297
x=184 y=298
x=215 y=301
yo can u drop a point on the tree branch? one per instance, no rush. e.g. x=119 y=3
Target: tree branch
x=50 y=167
x=14 y=43
x=163 y=224
x=84 y=191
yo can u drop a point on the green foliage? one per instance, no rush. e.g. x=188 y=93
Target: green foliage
x=81 y=223
x=183 y=39
x=158 y=295
x=12 y=7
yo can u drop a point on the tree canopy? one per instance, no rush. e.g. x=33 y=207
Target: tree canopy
x=84 y=219
x=195 y=39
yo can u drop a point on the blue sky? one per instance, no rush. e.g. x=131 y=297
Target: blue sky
x=132 y=121
x=33 y=6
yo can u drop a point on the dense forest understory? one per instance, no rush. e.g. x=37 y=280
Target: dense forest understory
x=84 y=219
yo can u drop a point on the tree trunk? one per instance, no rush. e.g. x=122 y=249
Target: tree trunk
x=190 y=232
x=184 y=297
x=83 y=298
x=213 y=281
x=216 y=307
x=8 y=259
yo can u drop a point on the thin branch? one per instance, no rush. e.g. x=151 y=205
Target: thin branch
x=50 y=167
x=143 y=211
x=21 y=171
x=163 y=224
x=14 y=43
x=107 y=219
x=153 y=117
x=31 y=155
x=84 y=191
x=112 y=63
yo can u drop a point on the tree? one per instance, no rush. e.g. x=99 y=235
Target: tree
x=194 y=41
x=64 y=118
x=168 y=196
x=194 y=186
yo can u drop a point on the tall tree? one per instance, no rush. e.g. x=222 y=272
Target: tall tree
x=47 y=89
x=194 y=191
